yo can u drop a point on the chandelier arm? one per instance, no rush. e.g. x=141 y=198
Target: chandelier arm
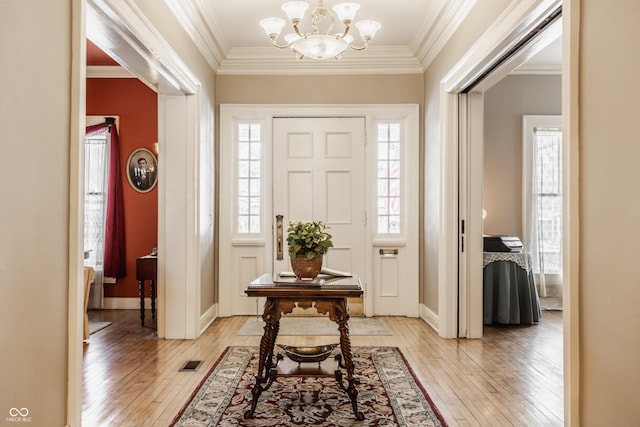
x=363 y=47
x=297 y=30
x=347 y=27
x=274 y=42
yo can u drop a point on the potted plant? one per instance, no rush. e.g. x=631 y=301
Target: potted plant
x=308 y=242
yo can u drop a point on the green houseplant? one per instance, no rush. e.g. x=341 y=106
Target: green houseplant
x=308 y=242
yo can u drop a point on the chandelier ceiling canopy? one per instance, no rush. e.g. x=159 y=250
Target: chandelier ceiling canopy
x=322 y=42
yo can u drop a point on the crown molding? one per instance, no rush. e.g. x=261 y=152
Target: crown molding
x=438 y=28
x=271 y=61
x=108 y=72
x=198 y=20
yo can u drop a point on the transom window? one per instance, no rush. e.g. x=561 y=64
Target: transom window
x=249 y=146
x=389 y=173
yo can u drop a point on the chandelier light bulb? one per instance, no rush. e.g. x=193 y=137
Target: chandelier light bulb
x=295 y=9
x=368 y=29
x=346 y=11
x=272 y=26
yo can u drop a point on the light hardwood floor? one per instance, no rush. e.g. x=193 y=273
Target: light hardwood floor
x=512 y=377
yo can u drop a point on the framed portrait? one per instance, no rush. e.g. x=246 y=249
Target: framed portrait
x=142 y=170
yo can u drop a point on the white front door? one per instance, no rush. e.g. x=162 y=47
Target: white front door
x=319 y=175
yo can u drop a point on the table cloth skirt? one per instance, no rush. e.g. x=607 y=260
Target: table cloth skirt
x=510 y=294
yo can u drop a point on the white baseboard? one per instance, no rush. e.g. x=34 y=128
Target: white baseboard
x=208 y=317
x=128 y=303
x=430 y=317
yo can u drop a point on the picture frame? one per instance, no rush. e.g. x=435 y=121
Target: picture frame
x=142 y=170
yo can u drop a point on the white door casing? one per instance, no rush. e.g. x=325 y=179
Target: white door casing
x=245 y=256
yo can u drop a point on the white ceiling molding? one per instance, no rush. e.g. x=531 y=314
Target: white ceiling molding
x=438 y=28
x=269 y=61
x=199 y=22
x=108 y=72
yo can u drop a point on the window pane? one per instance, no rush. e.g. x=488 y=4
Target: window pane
x=254 y=170
x=243 y=132
x=383 y=132
x=243 y=169
x=394 y=188
x=389 y=173
x=249 y=148
x=243 y=206
x=255 y=132
x=254 y=187
x=394 y=224
x=394 y=150
x=383 y=169
x=383 y=224
x=383 y=187
x=243 y=187
x=394 y=205
x=383 y=151
x=383 y=206
x=243 y=224
x=255 y=151
x=394 y=169
x=243 y=150
x=254 y=224
x=394 y=132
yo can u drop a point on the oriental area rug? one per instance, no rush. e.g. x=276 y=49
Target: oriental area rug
x=389 y=395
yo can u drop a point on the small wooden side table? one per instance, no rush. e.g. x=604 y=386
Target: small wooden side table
x=147 y=269
x=328 y=296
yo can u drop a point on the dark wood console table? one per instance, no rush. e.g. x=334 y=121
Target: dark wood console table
x=328 y=296
x=147 y=269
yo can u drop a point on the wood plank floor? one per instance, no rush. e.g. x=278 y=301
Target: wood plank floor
x=512 y=377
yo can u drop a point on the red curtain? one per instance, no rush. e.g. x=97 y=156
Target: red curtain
x=114 y=252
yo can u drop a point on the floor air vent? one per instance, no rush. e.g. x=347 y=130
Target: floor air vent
x=191 y=365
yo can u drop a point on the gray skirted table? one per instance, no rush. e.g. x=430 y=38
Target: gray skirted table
x=510 y=294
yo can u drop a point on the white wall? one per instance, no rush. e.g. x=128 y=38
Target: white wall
x=34 y=214
x=475 y=24
x=609 y=145
x=505 y=104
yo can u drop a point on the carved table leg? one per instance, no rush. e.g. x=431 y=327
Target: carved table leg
x=341 y=318
x=266 y=367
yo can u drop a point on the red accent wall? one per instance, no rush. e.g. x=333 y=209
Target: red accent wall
x=137 y=108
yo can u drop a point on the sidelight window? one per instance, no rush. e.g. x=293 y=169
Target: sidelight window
x=389 y=176
x=249 y=166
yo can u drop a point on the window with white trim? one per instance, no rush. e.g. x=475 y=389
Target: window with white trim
x=249 y=167
x=547 y=190
x=388 y=178
x=96 y=168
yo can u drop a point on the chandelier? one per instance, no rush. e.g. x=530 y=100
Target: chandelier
x=322 y=42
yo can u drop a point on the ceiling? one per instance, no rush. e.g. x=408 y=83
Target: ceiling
x=413 y=32
x=231 y=39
